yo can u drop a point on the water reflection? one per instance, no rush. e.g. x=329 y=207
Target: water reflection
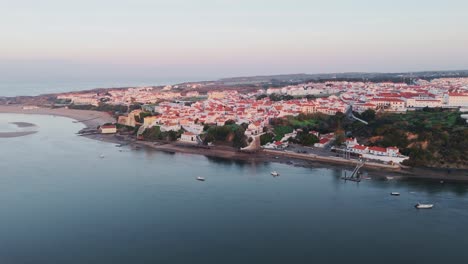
x=71 y=205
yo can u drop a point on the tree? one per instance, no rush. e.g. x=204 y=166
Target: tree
x=134 y=106
x=368 y=115
x=266 y=138
x=339 y=138
x=229 y=122
x=306 y=139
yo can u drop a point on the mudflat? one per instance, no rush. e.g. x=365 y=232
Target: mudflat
x=16 y=134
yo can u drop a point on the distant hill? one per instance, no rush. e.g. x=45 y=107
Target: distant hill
x=352 y=76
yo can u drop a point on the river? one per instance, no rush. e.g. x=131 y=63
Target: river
x=60 y=202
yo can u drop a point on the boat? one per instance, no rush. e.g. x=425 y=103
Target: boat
x=274 y=173
x=389 y=178
x=424 y=206
x=200 y=179
x=395 y=193
x=101 y=156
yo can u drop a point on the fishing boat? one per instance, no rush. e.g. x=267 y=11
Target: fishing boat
x=274 y=173
x=395 y=193
x=200 y=179
x=424 y=206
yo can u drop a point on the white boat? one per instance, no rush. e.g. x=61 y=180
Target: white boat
x=274 y=173
x=101 y=156
x=200 y=179
x=395 y=193
x=424 y=206
x=389 y=178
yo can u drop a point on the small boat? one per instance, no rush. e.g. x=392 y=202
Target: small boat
x=389 y=178
x=274 y=173
x=395 y=193
x=101 y=156
x=200 y=179
x=424 y=206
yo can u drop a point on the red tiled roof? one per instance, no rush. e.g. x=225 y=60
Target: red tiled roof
x=360 y=147
x=324 y=140
x=108 y=126
x=379 y=149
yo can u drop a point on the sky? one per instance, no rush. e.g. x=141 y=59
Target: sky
x=207 y=39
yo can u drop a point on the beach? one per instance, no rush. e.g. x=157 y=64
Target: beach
x=91 y=119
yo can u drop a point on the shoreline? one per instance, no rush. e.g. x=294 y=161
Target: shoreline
x=92 y=119
x=224 y=152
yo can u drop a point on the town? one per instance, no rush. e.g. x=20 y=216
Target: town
x=189 y=113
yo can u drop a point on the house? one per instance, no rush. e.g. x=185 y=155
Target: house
x=324 y=142
x=188 y=137
x=458 y=99
x=393 y=151
x=359 y=149
x=315 y=133
x=276 y=145
x=391 y=104
x=171 y=126
x=378 y=151
x=351 y=142
x=254 y=128
x=108 y=129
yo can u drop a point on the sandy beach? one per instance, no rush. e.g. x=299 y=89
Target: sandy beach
x=91 y=119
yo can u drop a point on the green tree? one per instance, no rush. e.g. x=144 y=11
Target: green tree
x=266 y=138
x=368 y=115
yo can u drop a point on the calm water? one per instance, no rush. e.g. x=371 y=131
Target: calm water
x=15 y=88
x=61 y=203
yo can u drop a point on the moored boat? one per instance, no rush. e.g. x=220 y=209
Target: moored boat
x=395 y=193
x=200 y=179
x=274 y=173
x=424 y=206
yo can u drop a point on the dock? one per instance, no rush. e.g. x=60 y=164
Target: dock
x=354 y=174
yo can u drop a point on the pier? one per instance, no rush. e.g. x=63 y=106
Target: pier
x=354 y=174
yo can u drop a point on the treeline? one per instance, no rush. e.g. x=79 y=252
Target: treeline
x=306 y=123
x=155 y=133
x=229 y=134
x=431 y=137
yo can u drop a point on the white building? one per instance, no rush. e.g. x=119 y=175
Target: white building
x=458 y=99
x=108 y=129
x=188 y=137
